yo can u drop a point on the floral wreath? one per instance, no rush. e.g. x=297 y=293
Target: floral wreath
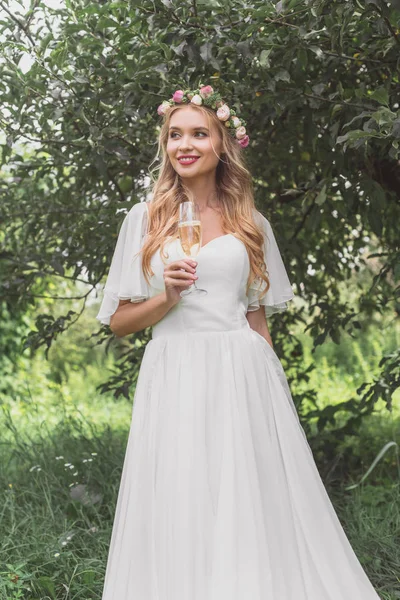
x=206 y=96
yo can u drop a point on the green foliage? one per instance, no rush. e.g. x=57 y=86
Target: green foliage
x=317 y=83
x=340 y=384
x=13 y=329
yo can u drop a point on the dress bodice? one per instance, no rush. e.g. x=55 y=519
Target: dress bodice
x=222 y=269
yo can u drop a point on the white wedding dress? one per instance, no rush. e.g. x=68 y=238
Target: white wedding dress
x=220 y=497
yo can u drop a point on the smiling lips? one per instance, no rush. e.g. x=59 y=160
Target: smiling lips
x=188 y=160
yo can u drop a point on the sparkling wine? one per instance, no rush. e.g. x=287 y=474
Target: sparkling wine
x=190 y=237
x=189 y=232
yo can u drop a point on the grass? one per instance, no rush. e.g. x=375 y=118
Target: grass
x=58 y=495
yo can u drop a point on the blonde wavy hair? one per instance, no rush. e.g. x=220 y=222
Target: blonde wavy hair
x=234 y=194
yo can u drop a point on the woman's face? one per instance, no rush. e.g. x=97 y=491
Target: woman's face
x=189 y=135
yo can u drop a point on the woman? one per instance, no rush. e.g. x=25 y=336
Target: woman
x=220 y=497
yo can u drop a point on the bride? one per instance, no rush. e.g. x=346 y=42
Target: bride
x=220 y=497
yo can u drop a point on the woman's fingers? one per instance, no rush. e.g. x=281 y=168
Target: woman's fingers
x=185 y=264
x=180 y=273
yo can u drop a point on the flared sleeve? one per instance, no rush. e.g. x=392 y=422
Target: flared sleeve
x=280 y=291
x=125 y=280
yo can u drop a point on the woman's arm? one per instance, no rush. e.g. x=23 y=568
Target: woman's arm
x=131 y=317
x=257 y=321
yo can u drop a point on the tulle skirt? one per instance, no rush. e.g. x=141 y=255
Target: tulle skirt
x=220 y=497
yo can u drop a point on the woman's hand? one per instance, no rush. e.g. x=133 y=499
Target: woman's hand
x=179 y=275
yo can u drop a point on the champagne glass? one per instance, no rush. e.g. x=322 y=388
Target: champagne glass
x=189 y=229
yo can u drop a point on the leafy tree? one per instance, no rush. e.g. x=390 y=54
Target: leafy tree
x=317 y=82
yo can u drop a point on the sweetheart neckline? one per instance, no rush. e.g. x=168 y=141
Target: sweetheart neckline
x=201 y=247
x=216 y=238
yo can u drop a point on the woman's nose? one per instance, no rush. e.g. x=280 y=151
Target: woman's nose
x=185 y=143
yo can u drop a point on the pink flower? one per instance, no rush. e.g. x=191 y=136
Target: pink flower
x=163 y=107
x=206 y=91
x=224 y=112
x=240 y=132
x=244 y=142
x=178 y=95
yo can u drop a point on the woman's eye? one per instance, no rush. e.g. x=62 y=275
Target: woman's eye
x=198 y=132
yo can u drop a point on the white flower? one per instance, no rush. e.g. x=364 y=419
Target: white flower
x=224 y=112
x=163 y=107
x=240 y=132
x=236 y=121
x=197 y=99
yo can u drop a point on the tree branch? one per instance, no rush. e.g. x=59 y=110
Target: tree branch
x=20 y=24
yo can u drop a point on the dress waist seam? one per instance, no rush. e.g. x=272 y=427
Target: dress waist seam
x=206 y=333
